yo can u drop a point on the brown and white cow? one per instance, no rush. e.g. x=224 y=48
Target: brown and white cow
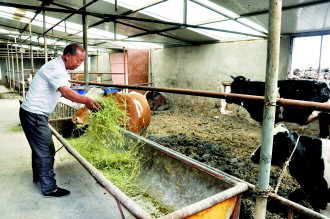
x=136 y=107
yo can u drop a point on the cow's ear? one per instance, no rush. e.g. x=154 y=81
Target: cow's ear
x=232 y=77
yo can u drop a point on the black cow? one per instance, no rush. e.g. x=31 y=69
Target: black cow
x=306 y=90
x=156 y=101
x=310 y=164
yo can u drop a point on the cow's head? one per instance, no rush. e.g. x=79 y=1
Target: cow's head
x=240 y=85
x=155 y=100
x=283 y=144
x=81 y=116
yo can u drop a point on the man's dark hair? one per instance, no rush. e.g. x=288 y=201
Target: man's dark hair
x=72 y=49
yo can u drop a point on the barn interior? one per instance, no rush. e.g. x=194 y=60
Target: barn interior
x=190 y=46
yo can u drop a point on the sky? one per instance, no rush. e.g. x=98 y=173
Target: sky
x=306 y=52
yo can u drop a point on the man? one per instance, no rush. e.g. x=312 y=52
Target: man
x=50 y=82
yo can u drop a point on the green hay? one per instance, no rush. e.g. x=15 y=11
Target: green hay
x=105 y=147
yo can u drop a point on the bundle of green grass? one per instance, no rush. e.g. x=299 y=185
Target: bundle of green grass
x=104 y=147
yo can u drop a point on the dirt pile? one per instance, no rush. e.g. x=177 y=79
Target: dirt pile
x=224 y=142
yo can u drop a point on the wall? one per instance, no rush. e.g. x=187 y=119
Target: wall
x=206 y=67
x=100 y=64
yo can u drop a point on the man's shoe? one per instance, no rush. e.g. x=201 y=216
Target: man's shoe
x=58 y=193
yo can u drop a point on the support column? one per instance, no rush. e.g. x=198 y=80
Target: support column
x=6 y=76
x=45 y=38
x=18 y=80
x=31 y=51
x=320 y=60
x=13 y=65
x=23 y=81
x=97 y=60
x=9 y=69
x=273 y=52
x=85 y=42
x=185 y=11
x=125 y=71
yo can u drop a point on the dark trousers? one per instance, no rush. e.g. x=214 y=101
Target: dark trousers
x=39 y=136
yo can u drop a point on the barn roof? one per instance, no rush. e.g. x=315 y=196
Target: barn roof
x=145 y=24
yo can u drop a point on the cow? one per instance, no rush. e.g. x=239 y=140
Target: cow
x=156 y=101
x=136 y=107
x=309 y=165
x=306 y=90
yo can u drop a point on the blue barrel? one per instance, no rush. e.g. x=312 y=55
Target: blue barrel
x=81 y=89
x=110 y=89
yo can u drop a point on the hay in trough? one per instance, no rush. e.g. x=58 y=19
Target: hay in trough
x=103 y=145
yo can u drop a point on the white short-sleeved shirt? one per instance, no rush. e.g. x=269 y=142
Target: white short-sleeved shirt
x=43 y=93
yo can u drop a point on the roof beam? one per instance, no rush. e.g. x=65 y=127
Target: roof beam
x=153 y=32
x=305 y=34
x=129 y=25
x=80 y=9
x=42 y=8
x=15 y=28
x=44 y=3
x=131 y=11
x=228 y=17
x=114 y=17
x=148 y=5
x=111 y=18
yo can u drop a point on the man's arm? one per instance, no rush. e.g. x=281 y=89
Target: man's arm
x=69 y=94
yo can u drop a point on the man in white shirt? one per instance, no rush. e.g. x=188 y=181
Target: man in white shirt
x=50 y=82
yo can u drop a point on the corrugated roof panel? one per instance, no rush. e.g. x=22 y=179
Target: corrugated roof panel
x=308 y=18
x=313 y=18
x=200 y=15
x=231 y=26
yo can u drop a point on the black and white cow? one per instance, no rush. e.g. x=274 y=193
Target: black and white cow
x=306 y=90
x=310 y=164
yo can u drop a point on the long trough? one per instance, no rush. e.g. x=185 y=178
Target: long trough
x=187 y=187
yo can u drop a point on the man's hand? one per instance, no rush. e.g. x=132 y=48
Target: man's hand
x=90 y=103
x=93 y=105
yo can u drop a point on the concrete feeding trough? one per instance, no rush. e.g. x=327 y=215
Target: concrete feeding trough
x=188 y=188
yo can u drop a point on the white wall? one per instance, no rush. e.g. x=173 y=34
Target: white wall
x=206 y=67
x=101 y=64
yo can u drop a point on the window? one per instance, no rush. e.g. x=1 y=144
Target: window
x=311 y=58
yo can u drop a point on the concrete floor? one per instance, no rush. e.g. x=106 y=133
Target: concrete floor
x=21 y=198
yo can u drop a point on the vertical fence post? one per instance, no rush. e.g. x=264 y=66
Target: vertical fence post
x=6 y=76
x=85 y=42
x=125 y=71
x=18 y=80
x=23 y=78
x=31 y=51
x=273 y=49
x=13 y=66
x=9 y=69
x=44 y=35
x=320 y=60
